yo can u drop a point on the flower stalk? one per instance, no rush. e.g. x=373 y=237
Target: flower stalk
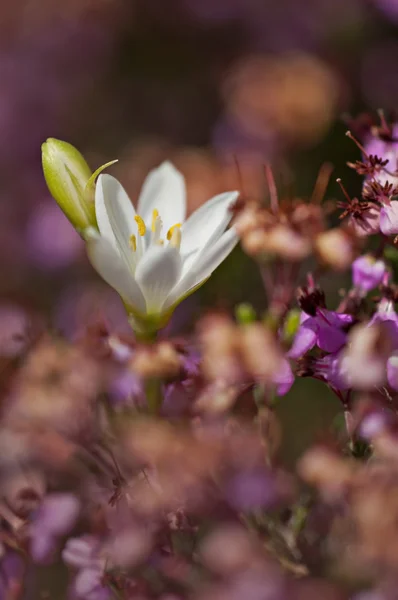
x=154 y=395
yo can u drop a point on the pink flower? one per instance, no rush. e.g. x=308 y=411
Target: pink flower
x=389 y=218
x=325 y=330
x=367 y=272
x=368 y=223
x=284 y=378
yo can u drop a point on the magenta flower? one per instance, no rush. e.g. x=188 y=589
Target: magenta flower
x=386 y=177
x=386 y=150
x=334 y=372
x=88 y=585
x=389 y=218
x=83 y=554
x=180 y=393
x=126 y=389
x=367 y=223
x=374 y=423
x=254 y=489
x=368 y=273
x=284 y=378
x=364 y=362
x=362 y=371
x=327 y=368
x=392 y=371
x=12 y=574
x=386 y=314
x=325 y=330
x=55 y=518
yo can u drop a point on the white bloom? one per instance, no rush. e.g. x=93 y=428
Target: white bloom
x=154 y=258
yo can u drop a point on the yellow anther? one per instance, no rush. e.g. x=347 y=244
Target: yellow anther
x=133 y=242
x=175 y=240
x=172 y=229
x=141 y=225
x=155 y=214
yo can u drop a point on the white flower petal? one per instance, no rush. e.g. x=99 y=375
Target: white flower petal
x=204 y=267
x=207 y=223
x=157 y=273
x=111 y=267
x=115 y=215
x=210 y=260
x=164 y=190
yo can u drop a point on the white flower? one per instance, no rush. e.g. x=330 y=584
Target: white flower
x=154 y=258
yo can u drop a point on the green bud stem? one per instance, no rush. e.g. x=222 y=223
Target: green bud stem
x=154 y=395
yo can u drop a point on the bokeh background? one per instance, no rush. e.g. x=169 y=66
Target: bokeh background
x=212 y=85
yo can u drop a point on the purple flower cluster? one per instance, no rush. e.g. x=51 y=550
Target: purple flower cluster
x=152 y=466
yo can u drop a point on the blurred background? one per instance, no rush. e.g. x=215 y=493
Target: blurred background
x=208 y=84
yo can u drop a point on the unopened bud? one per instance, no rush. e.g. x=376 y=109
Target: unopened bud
x=247 y=221
x=260 y=352
x=160 y=360
x=291 y=325
x=219 y=338
x=245 y=313
x=285 y=242
x=336 y=248
x=254 y=242
x=327 y=471
x=70 y=182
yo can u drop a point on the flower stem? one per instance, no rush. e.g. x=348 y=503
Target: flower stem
x=153 y=385
x=146 y=338
x=154 y=395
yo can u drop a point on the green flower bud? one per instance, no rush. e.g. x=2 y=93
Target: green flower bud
x=245 y=313
x=71 y=182
x=292 y=324
x=67 y=174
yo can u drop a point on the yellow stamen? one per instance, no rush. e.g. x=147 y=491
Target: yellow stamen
x=133 y=242
x=172 y=229
x=155 y=214
x=175 y=241
x=141 y=225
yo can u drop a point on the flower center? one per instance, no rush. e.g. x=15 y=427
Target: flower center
x=172 y=229
x=155 y=220
x=156 y=228
x=141 y=225
x=173 y=235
